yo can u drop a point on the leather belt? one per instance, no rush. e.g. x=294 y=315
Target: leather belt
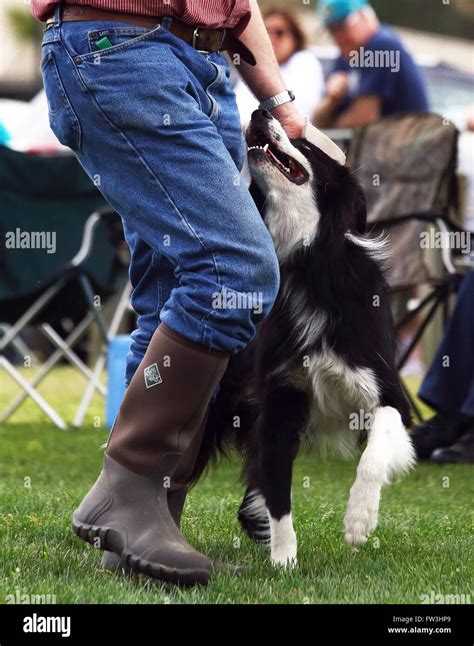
x=208 y=40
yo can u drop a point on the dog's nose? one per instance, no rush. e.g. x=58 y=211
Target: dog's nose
x=267 y=114
x=263 y=114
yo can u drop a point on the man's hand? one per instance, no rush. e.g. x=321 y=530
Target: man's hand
x=265 y=79
x=337 y=86
x=290 y=119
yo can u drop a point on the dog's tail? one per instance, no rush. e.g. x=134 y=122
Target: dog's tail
x=228 y=425
x=217 y=441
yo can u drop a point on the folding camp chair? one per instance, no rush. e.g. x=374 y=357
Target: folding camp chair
x=43 y=196
x=407 y=167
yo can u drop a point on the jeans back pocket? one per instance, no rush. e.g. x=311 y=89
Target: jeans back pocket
x=103 y=39
x=62 y=118
x=105 y=42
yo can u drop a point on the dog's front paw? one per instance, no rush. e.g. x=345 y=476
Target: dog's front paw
x=362 y=514
x=283 y=542
x=285 y=556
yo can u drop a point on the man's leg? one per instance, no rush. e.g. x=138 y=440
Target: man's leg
x=158 y=288
x=148 y=138
x=144 y=260
x=161 y=161
x=448 y=386
x=448 y=380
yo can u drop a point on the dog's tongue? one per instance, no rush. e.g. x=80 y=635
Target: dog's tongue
x=323 y=142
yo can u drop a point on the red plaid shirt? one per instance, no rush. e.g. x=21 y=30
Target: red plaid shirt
x=213 y=14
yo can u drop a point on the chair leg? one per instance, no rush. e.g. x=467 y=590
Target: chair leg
x=101 y=361
x=91 y=386
x=35 y=396
x=30 y=313
x=19 y=345
x=66 y=350
x=438 y=296
x=89 y=295
x=47 y=366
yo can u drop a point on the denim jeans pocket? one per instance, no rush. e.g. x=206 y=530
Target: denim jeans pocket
x=62 y=118
x=105 y=42
x=213 y=88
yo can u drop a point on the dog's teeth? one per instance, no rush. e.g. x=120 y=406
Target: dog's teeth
x=265 y=148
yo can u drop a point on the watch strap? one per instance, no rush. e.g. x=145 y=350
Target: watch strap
x=278 y=99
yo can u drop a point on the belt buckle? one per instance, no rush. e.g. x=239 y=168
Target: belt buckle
x=195 y=36
x=224 y=34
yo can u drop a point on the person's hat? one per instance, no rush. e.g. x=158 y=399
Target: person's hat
x=335 y=10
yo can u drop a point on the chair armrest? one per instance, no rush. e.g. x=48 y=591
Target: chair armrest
x=441 y=220
x=107 y=214
x=423 y=216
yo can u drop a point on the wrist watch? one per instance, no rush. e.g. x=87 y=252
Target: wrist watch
x=279 y=99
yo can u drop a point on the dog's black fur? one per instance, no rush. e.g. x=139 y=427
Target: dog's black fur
x=265 y=400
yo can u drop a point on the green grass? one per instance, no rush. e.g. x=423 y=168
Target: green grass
x=423 y=542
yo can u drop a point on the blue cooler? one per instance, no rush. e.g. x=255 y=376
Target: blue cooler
x=118 y=350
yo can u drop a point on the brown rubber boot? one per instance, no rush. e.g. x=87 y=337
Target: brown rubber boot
x=164 y=408
x=176 y=496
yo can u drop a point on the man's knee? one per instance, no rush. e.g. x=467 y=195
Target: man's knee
x=266 y=278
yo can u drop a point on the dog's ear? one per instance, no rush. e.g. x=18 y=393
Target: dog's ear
x=348 y=204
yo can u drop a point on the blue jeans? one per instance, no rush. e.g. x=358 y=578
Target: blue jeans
x=449 y=387
x=155 y=125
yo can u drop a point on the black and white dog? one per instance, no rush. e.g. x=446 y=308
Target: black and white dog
x=323 y=363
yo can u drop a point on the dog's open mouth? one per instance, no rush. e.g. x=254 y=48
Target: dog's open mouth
x=289 y=167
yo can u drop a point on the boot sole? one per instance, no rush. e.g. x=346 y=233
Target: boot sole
x=111 y=540
x=217 y=565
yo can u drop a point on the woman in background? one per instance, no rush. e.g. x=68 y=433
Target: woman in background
x=301 y=70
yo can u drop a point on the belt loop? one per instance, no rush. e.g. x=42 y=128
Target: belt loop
x=195 y=37
x=166 y=22
x=57 y=14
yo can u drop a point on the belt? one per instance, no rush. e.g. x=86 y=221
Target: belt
x=208 y=40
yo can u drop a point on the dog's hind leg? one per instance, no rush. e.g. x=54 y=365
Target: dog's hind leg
x=284 y=418
x=389 y=453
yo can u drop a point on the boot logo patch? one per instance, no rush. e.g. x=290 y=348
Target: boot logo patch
x=152 y=376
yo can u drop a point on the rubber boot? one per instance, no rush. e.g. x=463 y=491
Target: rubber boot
x=164 y=408
x=176 y=495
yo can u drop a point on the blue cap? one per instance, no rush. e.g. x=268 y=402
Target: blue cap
x=335 y=10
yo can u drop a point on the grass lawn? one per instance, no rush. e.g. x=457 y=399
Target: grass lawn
x=423 y=543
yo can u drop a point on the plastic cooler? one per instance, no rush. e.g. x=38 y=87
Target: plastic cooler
x=118 y=350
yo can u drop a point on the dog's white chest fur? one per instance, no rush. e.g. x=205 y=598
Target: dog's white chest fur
x=292 y=222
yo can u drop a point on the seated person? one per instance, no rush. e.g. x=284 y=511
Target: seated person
x=301 y=70
x=374 y=76
x=448 y=388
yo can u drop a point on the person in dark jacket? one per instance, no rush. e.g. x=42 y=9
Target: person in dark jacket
x=375 y=76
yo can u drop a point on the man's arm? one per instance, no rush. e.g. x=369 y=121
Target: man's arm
x=362 y=111
x=324 y=113
x=336 y=89
x=265 y=79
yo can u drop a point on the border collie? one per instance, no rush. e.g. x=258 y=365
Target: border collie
x=322 y=365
